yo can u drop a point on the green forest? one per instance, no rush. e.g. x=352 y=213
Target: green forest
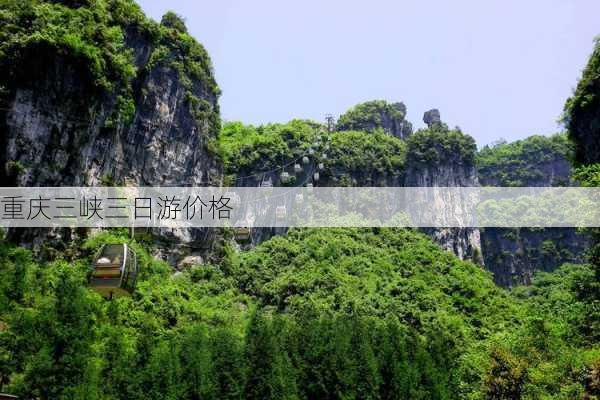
x=329 y=313
x=348 y=314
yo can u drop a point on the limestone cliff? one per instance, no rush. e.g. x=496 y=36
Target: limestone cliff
x=439 y=157
x=514 y=255
x=140 y=108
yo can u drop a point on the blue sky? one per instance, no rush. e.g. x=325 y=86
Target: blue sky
x=494 y=68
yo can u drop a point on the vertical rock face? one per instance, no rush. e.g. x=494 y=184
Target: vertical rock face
x=57 y=131
x=59 y=127
x=377 y=114
x=514 y=255
x=438 y=157
x=432 y=118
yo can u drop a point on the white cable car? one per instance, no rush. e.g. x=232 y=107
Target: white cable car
x=242 y=234
x=114 y=271
x=321 y=166
x=297 y=168
x=316 y=177
x=268 y=186
x=280 y=213
x=311 y=151
x=284 y=177
x=305 y=160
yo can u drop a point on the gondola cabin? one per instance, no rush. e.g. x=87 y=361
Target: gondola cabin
x=114 y=271
x=280 y=213
x=242 y=234
x=268 y=186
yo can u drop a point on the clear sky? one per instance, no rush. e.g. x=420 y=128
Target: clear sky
x=496 y=68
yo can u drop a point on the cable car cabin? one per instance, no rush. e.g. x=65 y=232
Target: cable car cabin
x=268 y=186
x=114 y=271
x=284 y=177
x=280 y=213
x=242 y=234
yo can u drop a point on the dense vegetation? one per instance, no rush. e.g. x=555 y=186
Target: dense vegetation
x=346 y=155
x=521 y=163
x=249 y=149
x=581 y=114
x=336 y=313
x=98 y=36
x=353 y=158
x=316 y=314
x=582 y=118
x=439 y=145
x=356 y=158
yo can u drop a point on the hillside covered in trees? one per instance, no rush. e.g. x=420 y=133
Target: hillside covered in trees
x=310 y=314
x=332 y=313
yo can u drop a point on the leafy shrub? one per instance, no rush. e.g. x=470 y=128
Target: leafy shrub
x=440 y=145
x=174 y=21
